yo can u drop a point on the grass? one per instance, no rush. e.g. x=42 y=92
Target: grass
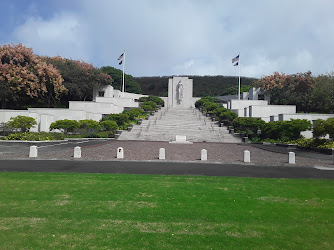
x=53 y=210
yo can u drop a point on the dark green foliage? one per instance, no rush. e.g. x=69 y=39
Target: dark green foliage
x=109 y=125
x=324 y=127
x=151 y=103
x=147 y=107
x=89 y=124
x=23 y=123
x=286 y=130
x=30 y=136
x=131 y=85
x=201 y=101
x=323 y=94
x=80 y=78
x=209 y=107
x=235 y=89
x=133 y=113
x=227 y=116
x=249 y=125
x=65 y=125
x=120 y=119
x=155 y=99
x=203 y=85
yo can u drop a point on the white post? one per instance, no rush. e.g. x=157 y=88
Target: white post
x=292 y=158
x=239 y=75
x=204 y=155
x=120 y=153
x=77 y=152
x=246 y=156
x=33 y=152
x=162 y=154
x=123 y=87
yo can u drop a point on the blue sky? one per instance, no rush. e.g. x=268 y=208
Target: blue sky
x=178 y=37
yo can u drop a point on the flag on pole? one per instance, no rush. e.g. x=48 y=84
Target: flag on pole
x=120 y=57
x=235 y=59
x=120 y=63
x=236 y=64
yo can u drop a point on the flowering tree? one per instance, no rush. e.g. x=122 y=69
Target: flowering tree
x=80 y=77
x=23 y=74
x=289 y=89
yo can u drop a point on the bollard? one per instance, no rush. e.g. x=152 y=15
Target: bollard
x=33 y=152
x=292 y=158
x=162 y=154
x=120 y=153
x=246 y=156
x=204 y=155
x=77 y=152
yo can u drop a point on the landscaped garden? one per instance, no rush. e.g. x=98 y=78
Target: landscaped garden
x=108 y=211
x=18 y=127
x=277 y=131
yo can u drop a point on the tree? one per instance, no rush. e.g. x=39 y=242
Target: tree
x=293 y=89
x=23 y=74
x=89 y=124
x=248 y=124
x=23 y=123
x=323 y=94
x=65 y=125
x=286 y=130
x=80 y=78
x=109 y=125
x=117 y=75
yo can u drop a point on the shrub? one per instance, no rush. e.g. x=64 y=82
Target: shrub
x=324 y=127
x=210 y=106
x=120 y=119
x=286 y=130
x=152 y=104
x=30 y=136
x=227 y=115
x=147 y=107
x=89 y=124
x=109 y=125
x=133 y=113
x=248 y=124
x=157 y=100
x=65 y=125
x=23 y=123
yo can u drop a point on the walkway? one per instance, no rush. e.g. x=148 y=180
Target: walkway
x=169 y=122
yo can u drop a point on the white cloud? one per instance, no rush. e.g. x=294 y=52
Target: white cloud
x=190 y=37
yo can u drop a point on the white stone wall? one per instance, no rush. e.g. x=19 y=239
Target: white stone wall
x=271 y=110
x=241 y=104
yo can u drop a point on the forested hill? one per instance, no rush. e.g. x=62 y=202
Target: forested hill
x=203 y=85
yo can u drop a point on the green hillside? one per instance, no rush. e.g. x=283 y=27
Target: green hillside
x=203 y=85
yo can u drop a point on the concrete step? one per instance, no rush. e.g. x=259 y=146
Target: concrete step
x=165 y=124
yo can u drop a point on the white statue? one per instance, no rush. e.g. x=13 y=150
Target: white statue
x=179 y=92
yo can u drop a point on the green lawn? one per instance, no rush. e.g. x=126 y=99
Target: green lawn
x=53 y=210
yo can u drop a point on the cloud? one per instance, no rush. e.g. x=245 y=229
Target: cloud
x=189 y=36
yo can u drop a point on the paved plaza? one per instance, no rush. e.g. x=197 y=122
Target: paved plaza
x=223 y=153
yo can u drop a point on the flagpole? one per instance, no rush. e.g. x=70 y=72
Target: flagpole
x=123 y=72
x=239 y=74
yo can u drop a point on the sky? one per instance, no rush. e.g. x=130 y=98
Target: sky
x=178 y=37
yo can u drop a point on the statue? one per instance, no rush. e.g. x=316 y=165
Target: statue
x=179 y=89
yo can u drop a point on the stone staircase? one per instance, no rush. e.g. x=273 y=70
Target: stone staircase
x=165 y=124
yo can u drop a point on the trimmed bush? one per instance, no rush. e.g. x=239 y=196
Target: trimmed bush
x=109 y=125
x=65 y=125
x=147 y=107
x=286 y=130
x=89 y=124
x=154 y=99
x=23 y=123
x=249 y=125
x=31 y=136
